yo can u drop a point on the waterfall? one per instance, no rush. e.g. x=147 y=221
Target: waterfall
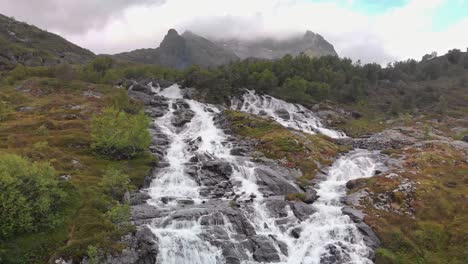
x=199 y=224
x=289 y=115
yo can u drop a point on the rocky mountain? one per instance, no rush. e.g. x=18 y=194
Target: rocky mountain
x=28 y=45
x=310 y=43
x=181 y=51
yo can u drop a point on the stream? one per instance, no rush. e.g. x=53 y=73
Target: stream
x=219 y=206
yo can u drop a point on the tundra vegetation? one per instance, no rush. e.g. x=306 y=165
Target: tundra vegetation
x=81 y=144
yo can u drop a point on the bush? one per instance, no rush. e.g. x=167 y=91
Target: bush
x=124 y=103
x=119 y=135
x=119 y=214
x=30 y=196
x=116 y=183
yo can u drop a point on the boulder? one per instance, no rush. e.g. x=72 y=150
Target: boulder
x=301 y=210
x=310 y=196
x=283 y=114
x=264 y=250
x=275 y=181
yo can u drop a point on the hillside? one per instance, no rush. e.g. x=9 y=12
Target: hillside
x=311 y=44
x=181 y=51
x=28 y=45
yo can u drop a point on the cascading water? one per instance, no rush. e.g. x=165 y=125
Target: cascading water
x=289 y=115
x=198 y=228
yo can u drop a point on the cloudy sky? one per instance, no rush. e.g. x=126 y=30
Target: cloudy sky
x=370 y=30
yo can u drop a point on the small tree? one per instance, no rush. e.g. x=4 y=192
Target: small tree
x=116 y=183
x=30 y=196
x=119 y=135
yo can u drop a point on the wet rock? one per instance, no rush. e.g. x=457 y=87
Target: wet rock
x=283 y=114
x=182 y=117
x=296 y=232
x=355 y=215
x=310 y=196
x=370 y=238
x=145 y=98
x=185 y=201
x=214 y=171
x=240 y=223
x=301 y=210
x=141 y=248
x=277 y=207
x=144 y=212
x=230 y=255
x=139 y=198
x=277 y=182
x=357 y=183
x=141 y=88
x=264 y=250
x=336 y=253
x=165 y=84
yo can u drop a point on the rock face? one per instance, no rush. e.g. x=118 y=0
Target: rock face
x=28 y=45
x=311 y=44
x=182 y=51
x=387 y=139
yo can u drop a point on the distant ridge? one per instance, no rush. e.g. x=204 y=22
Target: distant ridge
x=311 y=44
x=28 y=45
x=181 y=51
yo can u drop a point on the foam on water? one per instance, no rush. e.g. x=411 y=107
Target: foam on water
x=298 y=117
x=327 y=230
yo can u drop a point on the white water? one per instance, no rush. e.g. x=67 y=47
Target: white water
x=180 y=241
x=300 y=118
x=329 y=226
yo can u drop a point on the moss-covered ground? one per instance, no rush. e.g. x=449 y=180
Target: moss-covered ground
x=426 y=224
x=295 y=149
x=45 y=119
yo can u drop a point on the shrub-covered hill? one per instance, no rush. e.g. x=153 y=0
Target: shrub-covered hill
x=28 y=45
x=49 y=126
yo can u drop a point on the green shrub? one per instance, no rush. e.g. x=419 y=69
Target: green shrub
x=116 y=183
x=119 y=135
x=92 y=253
x=119 y=214
x=30 y=196
x=124 y=103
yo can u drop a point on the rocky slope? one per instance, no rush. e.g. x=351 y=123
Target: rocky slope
x=181 y=51
x=310 y=43
x=28 y=45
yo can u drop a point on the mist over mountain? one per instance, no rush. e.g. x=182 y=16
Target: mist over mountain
x=181 y=51
x=311 y=44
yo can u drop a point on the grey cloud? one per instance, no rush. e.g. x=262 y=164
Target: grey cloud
x=364 y=47
x=73 y=17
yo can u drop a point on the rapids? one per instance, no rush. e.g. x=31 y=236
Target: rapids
x=198 y=226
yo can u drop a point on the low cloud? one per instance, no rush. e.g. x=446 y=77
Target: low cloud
x=398 y=33
x=69 y=16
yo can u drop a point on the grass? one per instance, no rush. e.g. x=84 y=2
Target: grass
x=437 y=230
x=295 y=149
x=57 y=129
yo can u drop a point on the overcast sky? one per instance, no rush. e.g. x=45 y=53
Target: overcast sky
x=371 y=30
